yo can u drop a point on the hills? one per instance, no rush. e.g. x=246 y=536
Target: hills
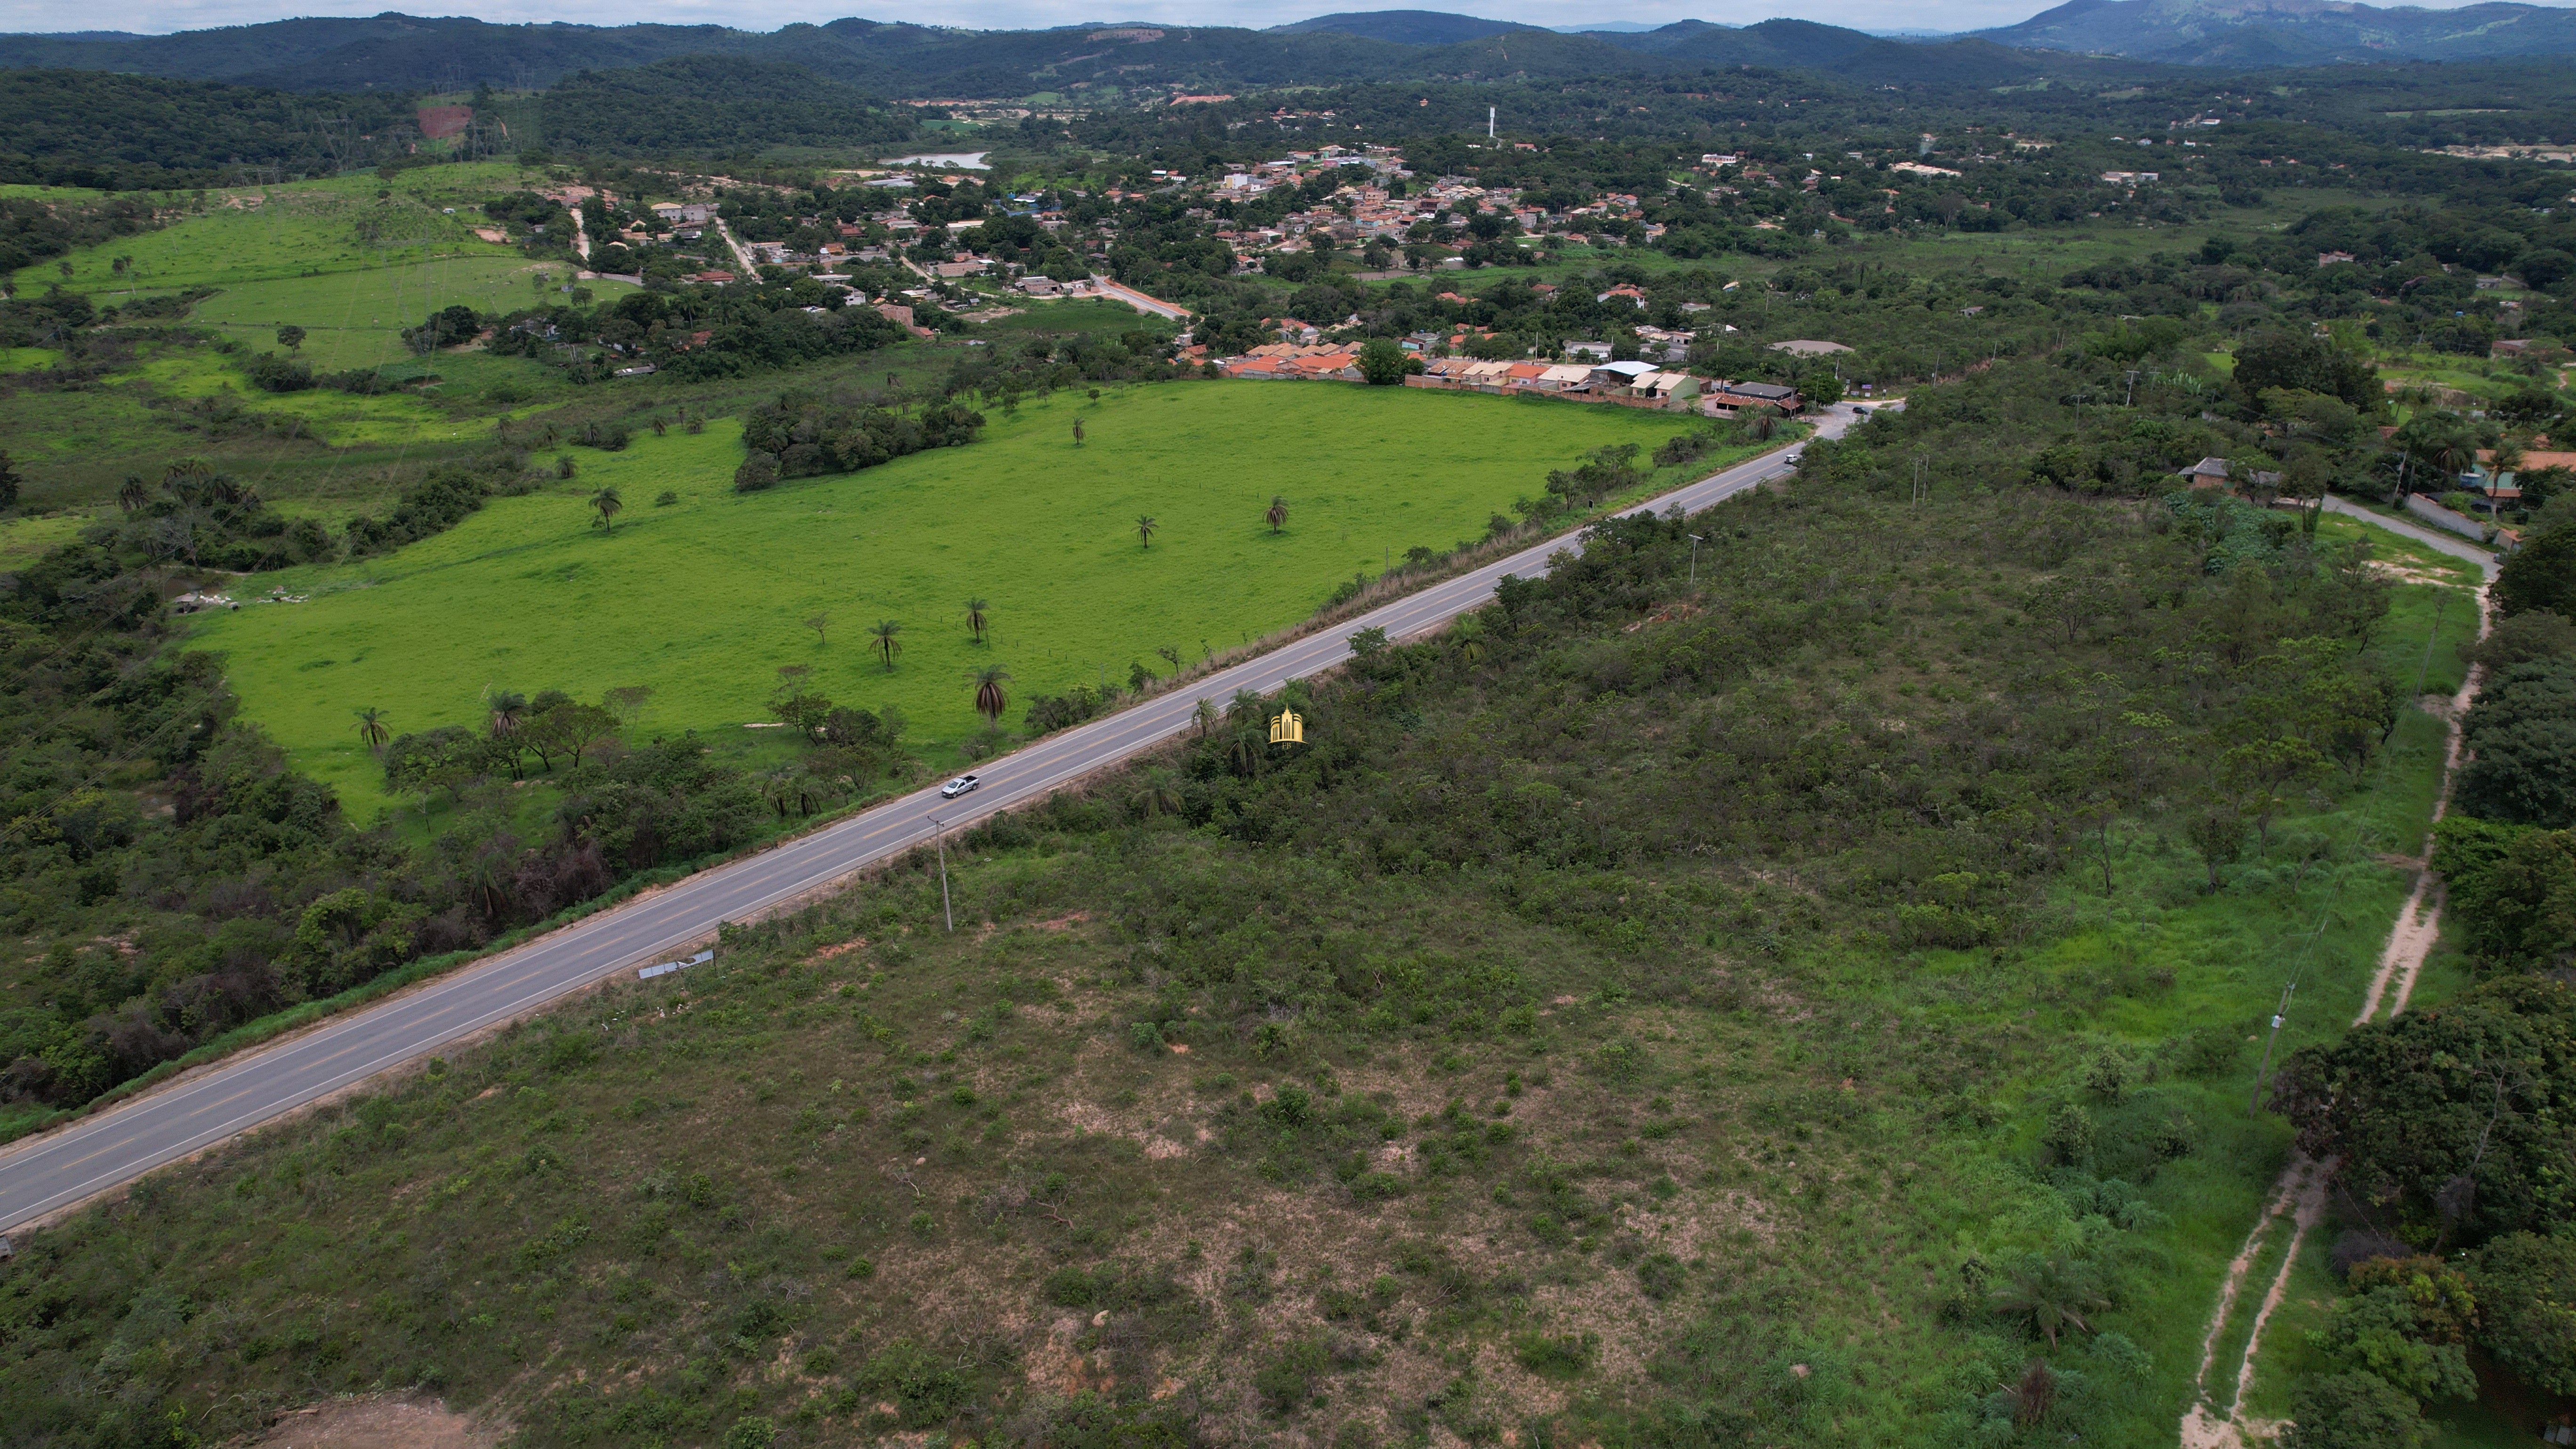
x=2254 y=33
x=393 y=52
x=1404 y=27
x=403 y=53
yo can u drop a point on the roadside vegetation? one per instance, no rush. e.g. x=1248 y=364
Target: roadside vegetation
x=1647 y=1010
x=1812 y=979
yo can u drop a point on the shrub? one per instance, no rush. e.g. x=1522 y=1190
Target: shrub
x=1555 y=1356
x=1659 y=1275
x=1285 y=1381
x=2354 y=1411
x=1069 y=1287
x=2523 y=728
x=2526 y=1289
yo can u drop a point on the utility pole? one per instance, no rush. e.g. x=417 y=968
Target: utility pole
x=1696 y=541
x=940 y=839
x=2132 y=398
x=1489 y=122
x=2255 y=1104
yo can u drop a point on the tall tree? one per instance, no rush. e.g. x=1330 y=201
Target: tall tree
x=975 y=620
x=887 y=646
x=509 y=710
x=990 y=700
x=818 y=623
x=1145 y=526
x=1278 y=514
x=371 y=728
x=606 y=504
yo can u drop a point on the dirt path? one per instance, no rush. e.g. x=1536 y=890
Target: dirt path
x=2300 y=1194
x=378 y=1424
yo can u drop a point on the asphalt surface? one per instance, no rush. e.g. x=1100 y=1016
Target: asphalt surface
x=2450 y=543
x=94 y=1154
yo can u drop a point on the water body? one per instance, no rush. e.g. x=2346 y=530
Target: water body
x=963 y=160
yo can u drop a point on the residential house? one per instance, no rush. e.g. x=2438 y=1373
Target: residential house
x=1727 y=399
x=2207 y=473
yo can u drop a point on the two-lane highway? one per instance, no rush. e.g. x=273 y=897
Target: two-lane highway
x=94 y=1154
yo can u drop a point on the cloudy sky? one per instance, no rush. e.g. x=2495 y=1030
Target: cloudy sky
x=161 y=16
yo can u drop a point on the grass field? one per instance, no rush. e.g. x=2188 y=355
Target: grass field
x=355 y=318
x=302 y=229
x=705 y=599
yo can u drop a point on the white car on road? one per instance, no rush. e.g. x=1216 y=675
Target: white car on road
x=958 y=786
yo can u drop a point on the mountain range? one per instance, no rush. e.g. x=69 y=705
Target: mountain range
x=400 y=52
x=2249 y=34
x=408 y=53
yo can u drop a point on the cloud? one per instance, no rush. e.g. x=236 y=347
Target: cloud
x=161 y=18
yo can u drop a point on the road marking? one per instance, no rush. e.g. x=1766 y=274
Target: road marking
x=293 y=1073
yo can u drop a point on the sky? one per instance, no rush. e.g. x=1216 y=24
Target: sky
x=162 y=16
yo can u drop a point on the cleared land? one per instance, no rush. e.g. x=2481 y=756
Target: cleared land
x=705 y=599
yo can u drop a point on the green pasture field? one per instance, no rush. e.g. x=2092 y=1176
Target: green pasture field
x=705 y=599
x=27 y=535
x=301 y=229
x=24 y=191
x=355 y=319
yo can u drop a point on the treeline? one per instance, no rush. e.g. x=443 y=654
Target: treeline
x=711 y=105
x=163 y=928
x=133 y=133
x=697 y=332
x=800 y=435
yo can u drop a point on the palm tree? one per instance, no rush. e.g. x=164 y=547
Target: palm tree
x=507 y=710
x=606 y=504
x=976 y=623
x=1077 y=432
x=185 y=480
x=1145 y=526
x=1246 y=747
x=1278 y=514
x=887 y=646
x=990 y=701
x=1471 y=639
x=134 y=494
x=2052 y=1296
x=1203 y=716
x=1158 y=792
x=371 y=728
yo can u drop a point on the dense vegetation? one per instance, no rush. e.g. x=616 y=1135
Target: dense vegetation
x=710 y=105
x=1626 y=874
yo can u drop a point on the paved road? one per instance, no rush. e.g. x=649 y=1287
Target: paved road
x=94 y=1154
x=1155 y=306
x=2450 y=543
